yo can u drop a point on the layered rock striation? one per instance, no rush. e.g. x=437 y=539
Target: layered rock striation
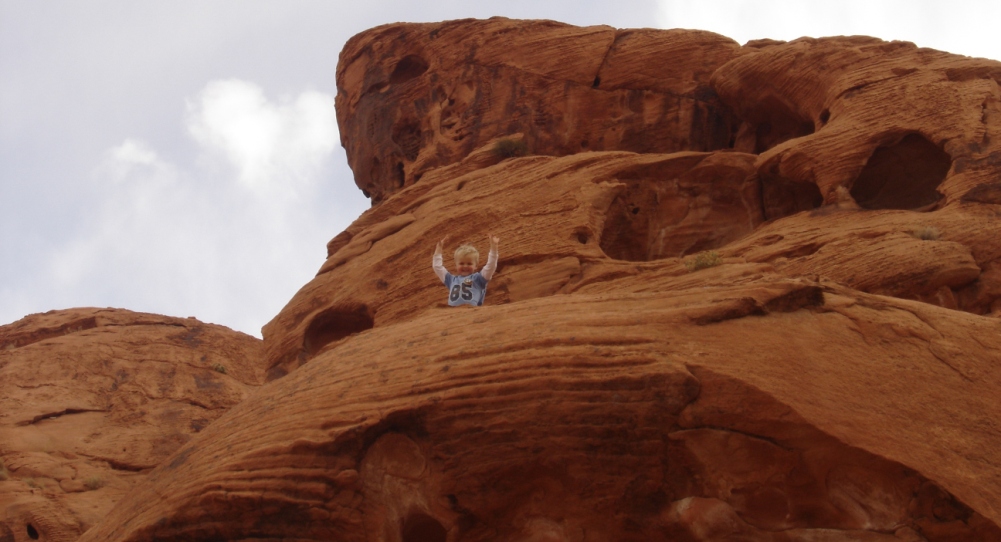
x=745 y=293
x=769 y=410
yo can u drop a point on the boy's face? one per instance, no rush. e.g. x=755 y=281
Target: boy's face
x=465 y=265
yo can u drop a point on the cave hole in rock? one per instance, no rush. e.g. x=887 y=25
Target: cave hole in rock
x=902 y=175
x=407 y=68
x=32 y=532
x=776 y=122
x=420 y=527
x=335 y=324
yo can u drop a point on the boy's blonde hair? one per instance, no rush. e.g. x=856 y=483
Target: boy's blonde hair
x=466 y=250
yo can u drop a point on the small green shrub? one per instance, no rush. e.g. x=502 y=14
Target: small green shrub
x=926 y=233
x=32 y=483
x=703 y=260
x=93 y=482
x=219 y=368
x=510 y=148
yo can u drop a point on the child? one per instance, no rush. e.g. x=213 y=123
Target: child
x=466 y=288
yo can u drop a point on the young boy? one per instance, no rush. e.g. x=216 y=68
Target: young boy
x=467 y=287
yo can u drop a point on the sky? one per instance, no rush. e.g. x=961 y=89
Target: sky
x=182 y=157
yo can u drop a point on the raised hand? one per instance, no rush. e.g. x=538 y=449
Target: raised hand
x=494 y=240
x=440 y=245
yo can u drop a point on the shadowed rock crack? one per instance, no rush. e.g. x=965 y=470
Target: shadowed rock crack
x=65 y=412
x=118 y=465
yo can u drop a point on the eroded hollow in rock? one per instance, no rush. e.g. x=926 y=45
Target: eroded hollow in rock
x=401 y=175
x=32 y=532
x=407 y=68
x=902 y=175
x=335 y=324
x=407 y=134
x=420 y=527
x=627 y=225
x=678 y=207
x=772 y=122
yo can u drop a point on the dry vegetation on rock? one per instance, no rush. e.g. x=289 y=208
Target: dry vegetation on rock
x=703 y=260
x=927 y=233
x=510 y=148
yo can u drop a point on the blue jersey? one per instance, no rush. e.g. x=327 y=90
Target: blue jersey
x=466 y=290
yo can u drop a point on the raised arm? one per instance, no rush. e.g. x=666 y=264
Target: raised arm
x=436 y=263
x=488 y=270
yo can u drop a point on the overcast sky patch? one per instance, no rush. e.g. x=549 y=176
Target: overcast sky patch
x=946 y=26
x=237 y=226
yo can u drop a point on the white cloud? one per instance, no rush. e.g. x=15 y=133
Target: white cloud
x=274 y=147
x=129 y=155
x=228 y=246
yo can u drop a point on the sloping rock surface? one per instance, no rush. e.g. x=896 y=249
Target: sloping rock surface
x=745 y=293
x=774 y=410
x=92 y=399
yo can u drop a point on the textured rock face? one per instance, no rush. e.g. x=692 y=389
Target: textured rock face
x=551 y=213
x=662 y=416
x=91 y=400
x=413 y=97
x=833 y=375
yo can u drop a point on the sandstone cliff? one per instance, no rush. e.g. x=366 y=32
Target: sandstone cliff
x=745 y=293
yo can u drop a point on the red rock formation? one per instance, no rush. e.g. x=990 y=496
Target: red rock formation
x=774 y=410
x=92 y=399
x=829 y=373
x=885 y=120
x=414 y=97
